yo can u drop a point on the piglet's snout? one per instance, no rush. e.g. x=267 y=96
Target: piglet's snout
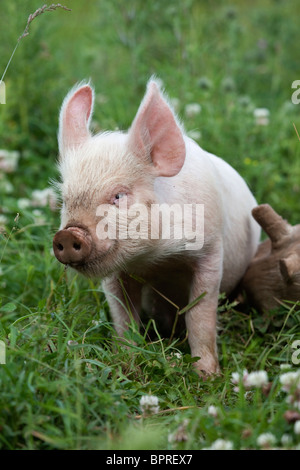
x=72 y=245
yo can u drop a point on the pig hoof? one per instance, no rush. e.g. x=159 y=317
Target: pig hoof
x=205 y=370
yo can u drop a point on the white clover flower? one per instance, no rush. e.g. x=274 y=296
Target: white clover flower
x=296 y=404
x=44 y=197
x=192 y=109
x=256 y=379
x=39 y=217
x=250 y=379
x=290 y=380
x=176 y=354
x=23 y=203
x=9 y=160
x=236 y=378
x=213 y=411
x=297 y=427
x=6 y=186
x=266 y=439
x=261 y=116
x=149 y=404
x=221 y=444
x=3 y=220
x=286 y=440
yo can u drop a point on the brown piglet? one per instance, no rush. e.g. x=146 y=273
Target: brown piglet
x=273 y=275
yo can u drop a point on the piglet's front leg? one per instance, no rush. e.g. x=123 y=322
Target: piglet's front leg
x=202 y=318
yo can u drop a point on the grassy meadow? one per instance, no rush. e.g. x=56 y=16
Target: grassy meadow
x=68 y=382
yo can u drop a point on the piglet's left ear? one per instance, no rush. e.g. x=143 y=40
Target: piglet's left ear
x=156 y=136
x=75 y=116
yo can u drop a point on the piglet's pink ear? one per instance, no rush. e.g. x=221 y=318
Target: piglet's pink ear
x=156 y=135
x=75 y=117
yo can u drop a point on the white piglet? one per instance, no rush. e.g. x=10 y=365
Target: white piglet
x=153 y=165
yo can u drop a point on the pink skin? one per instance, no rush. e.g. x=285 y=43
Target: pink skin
x=155 y=162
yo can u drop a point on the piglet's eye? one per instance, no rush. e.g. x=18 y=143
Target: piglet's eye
x=119 y=196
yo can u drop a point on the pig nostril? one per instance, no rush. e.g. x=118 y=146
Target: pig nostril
x=72 y=246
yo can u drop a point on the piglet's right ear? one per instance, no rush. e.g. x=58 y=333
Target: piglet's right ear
x=155 y=133
x=75 y=116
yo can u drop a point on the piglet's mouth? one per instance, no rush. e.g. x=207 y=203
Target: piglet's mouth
x=74 y=247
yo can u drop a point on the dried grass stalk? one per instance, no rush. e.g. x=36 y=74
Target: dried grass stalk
x=39 y=12
x=31 y=17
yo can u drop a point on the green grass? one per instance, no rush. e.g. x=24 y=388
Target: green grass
x=68 y=383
